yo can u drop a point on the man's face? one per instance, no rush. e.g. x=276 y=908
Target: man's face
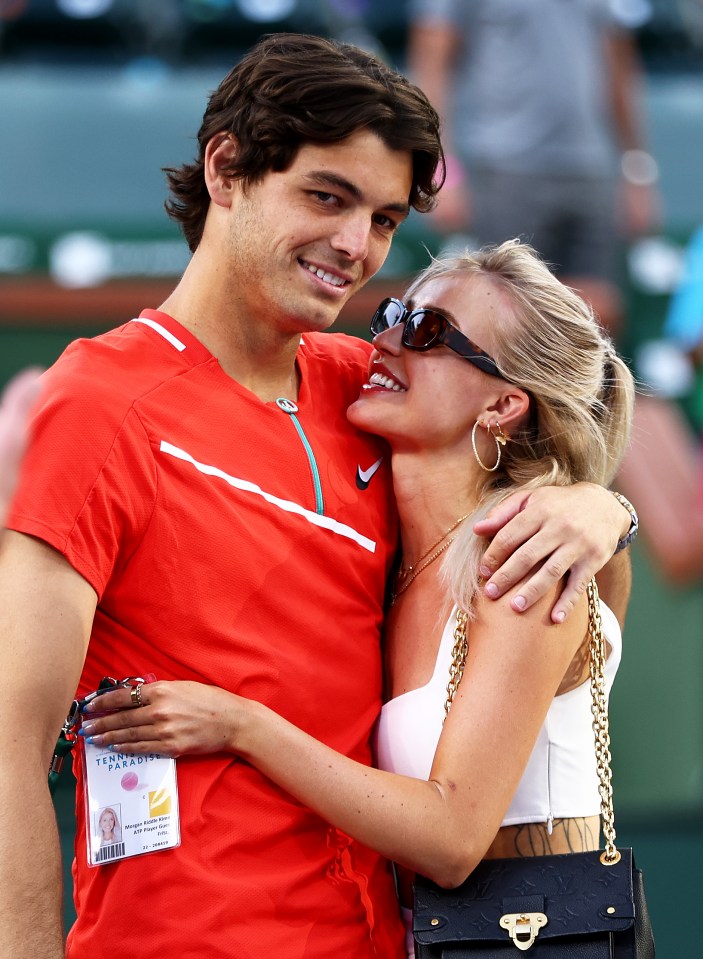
x=303 y=241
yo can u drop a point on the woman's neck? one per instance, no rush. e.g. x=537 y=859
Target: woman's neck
x=433 y=491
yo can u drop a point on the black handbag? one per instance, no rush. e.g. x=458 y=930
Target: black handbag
x=586 y=905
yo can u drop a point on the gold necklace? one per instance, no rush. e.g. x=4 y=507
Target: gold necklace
x=408 y=574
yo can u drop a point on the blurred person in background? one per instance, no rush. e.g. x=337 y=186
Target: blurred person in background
x=684 y=325
x=15 y=405
x=663 y=468
x=684 y=321
x=541 y=104
x=195 y=504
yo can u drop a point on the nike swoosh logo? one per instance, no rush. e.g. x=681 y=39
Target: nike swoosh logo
x=364 y=477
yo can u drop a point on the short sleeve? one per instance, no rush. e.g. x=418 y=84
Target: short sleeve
x=88 y=482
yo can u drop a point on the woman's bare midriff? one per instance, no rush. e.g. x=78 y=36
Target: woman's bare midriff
x=580 y=834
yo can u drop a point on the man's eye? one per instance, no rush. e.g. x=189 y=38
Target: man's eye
x=325 y=197
x=385 y=221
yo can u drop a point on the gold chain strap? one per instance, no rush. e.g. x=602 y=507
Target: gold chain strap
x=601 y=731
x=599 y=709
x=459 y=652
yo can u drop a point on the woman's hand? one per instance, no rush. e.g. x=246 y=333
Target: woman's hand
x=550 y=533
x=175 y=718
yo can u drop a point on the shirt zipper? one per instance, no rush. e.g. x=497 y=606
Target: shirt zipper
x=289 y=407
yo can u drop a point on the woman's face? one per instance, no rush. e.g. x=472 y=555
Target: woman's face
x=432 y=399
x=107 y=822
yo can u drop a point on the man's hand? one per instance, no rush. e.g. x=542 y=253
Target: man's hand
x=547 y=534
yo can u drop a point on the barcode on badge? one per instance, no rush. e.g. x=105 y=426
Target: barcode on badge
x=114 y=851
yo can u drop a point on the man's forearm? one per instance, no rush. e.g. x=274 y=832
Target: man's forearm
x=30 y=865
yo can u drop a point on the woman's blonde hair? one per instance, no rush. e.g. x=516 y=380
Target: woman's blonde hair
x=581 y=392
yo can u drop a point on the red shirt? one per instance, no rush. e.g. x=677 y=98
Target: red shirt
x=229 y=543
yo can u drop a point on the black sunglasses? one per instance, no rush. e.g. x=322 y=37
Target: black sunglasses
x=425 y=329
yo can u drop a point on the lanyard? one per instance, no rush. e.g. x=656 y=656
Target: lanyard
x=69 y=731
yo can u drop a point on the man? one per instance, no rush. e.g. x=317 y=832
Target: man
x=541 y=103
x=196 y=505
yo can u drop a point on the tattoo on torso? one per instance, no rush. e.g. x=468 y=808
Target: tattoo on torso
x=535 y=839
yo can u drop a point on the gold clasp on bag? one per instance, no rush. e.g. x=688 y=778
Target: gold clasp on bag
x=523 y=927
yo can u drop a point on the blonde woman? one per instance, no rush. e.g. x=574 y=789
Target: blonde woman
x=491 y=378
x=109 y=826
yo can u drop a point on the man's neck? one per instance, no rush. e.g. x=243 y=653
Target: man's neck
x=261 y=359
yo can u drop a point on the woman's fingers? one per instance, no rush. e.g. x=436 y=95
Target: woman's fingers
x=116 y=699
x=174 y=718
x=131 y=739
x=116 y=720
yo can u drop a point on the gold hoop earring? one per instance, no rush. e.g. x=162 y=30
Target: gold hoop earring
x=501 y=437
x=500 y=440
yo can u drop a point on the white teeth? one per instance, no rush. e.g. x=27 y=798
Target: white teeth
x=380 y=379
x=327 y=277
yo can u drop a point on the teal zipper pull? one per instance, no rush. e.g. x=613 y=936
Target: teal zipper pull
x=289 y=407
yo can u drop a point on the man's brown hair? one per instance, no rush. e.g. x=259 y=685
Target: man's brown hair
x=291 y=89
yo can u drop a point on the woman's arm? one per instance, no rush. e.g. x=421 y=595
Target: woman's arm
x=441 y=827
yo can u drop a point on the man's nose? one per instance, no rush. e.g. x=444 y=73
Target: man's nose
x=352 y=237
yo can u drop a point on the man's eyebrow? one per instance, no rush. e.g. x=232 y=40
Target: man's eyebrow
x=328 y=178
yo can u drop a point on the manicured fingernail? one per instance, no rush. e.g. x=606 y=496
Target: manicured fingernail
x=491 y=590
x=86 y=729
x=484 y=571
x=91 y=740
x=559 y=617
x=519 y=603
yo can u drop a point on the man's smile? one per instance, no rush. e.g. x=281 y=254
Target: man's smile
x=327 y=276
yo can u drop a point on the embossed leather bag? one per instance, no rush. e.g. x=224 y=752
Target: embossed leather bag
x=586 y=905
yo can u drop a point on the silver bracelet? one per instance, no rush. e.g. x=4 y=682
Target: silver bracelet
x=634 y=523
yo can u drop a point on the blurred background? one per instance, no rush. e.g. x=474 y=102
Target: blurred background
x=96 y=96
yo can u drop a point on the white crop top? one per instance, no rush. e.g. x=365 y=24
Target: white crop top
x=560 y=780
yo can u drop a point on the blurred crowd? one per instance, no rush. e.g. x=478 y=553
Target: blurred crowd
x=179 y=30
x=546 y=138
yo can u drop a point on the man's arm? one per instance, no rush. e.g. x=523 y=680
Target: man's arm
x=46 y=613
x=548 y=534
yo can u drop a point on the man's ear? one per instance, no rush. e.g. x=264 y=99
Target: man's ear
x=220 y=156
x=511 y=410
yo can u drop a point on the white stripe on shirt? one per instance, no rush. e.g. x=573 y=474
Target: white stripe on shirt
x=174 y=341
x=326 y=522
